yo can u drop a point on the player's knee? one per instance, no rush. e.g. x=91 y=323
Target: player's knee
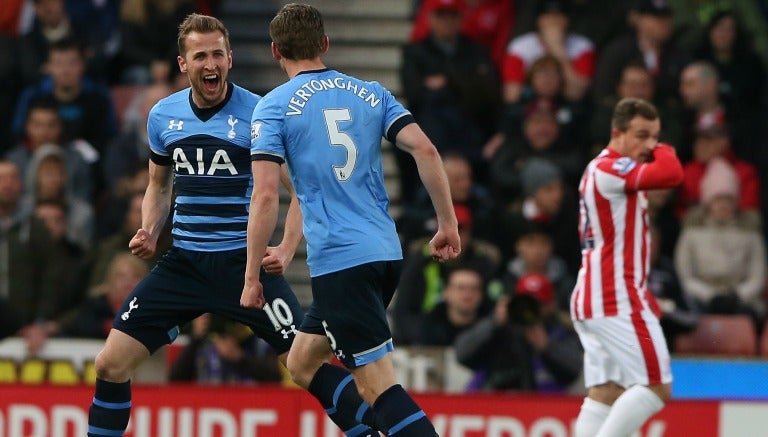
x=299 y=369
x=110 y=368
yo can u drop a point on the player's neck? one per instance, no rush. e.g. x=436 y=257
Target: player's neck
x=292 y=68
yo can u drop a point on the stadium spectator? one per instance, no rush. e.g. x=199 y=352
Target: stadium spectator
x=574 y=52
x=534 y=255
x=637 y=82
x=547 y=202
x=543 y=88
x=93 y=318
x=542 y=137
x=649 y=45
x=85 y=108
x=148 y=33
x=679 y=313
x=526 y=344
x=99 y=22
x=221 y=351
x=418 y=218
x=51 y=25
x=129 y=150
x=692 y=18
x=71 y=265
x=741 y=72
x=28 y=287
x=110 y=246
x=488 y=22
x=47 y=179
x=720 y=255
x=714 y=142
x=423 y=279
x=43 y=128
x=463 y=303
x=452 y=89
x=700 y=91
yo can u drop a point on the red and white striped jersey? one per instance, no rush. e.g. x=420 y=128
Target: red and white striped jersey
x=613 y=227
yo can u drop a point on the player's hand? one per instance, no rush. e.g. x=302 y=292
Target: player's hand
x=276 y=260
x=445 y=245
x=253 y=295
x=142 y=244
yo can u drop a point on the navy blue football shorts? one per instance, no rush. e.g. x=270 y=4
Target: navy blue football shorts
x=350 y=308
x=185 y=284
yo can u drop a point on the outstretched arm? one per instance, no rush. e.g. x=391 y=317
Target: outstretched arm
x=262 y=219
x=446 y=243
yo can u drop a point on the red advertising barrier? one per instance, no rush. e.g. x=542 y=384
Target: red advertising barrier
x=226 y=411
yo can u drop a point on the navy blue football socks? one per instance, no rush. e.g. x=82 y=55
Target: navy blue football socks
x=110 y=410
x=398 y=415
x=335 y=388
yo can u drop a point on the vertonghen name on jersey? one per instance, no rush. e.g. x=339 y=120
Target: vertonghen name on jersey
x=308 y=89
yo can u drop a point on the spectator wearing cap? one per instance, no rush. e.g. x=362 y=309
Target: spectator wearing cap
x=575 y=52
x=423 y=279
x=452 y=89
x=546 y=202
x=720 y=256
x=711 y=143
x=463 y=303
x=650 y=45
x=526 y=344
x=534 y=255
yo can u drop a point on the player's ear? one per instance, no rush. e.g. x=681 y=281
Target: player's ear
x=326 y=45
x=182 y=64
x=276 y=53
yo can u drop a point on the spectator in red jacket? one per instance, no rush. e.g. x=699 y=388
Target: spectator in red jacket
x=711 y=142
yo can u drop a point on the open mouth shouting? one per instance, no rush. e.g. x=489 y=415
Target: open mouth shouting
x=211 y=82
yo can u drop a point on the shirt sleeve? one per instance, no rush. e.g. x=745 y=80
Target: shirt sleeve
x=154 y=131
x=395 y=115
x=267 y=131
x=664 y=171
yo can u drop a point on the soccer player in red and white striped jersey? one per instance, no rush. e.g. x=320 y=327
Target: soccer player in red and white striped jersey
x=626 y=360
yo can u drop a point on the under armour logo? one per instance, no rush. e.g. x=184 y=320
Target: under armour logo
x=339 y=354
x=286 y=332
x=132 y=305
x=174 y=125
x=231 y=122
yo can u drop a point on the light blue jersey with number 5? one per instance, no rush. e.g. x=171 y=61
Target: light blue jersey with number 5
x=328 y=128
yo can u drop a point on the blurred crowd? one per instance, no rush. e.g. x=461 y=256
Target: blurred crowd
x=516 y=94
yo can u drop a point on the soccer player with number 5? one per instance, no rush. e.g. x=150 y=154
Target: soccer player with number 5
x=626 y=360
x=328 y=128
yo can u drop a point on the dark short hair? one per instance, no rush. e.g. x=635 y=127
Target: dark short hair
x=298 y=32
x=201 y=24
x=44 y=104
x=629 y=108
x=66 y=44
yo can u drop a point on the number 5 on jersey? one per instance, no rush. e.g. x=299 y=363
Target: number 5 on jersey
x=339 y=138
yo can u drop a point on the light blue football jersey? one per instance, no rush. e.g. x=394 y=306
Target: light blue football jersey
x=328 y=128
x=209 y=151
